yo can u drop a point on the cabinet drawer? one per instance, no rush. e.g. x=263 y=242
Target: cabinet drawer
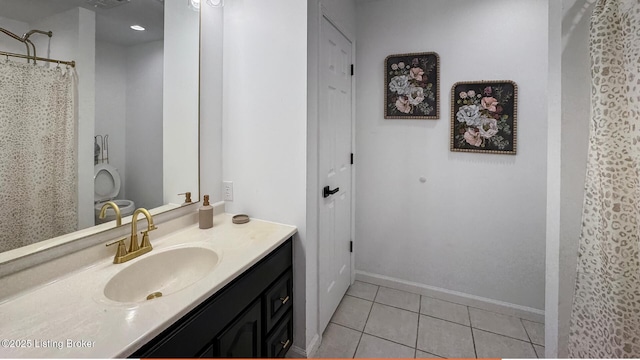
x=281 y=339
x=278 y=299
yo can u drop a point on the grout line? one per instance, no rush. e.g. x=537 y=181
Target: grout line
x=395 y=307
x=418 y=327
x=358 y=297
x=355 y=297
x=426 y=352
x=473 y=338
x=370 y=309
x=360 y=339
x=365 y=325
x=392 y=341
x=449 y=321
x=534 y=350
x=368 y=283
x=345 y=326
x=507 y=336
x=526 y=332
x=376 y=295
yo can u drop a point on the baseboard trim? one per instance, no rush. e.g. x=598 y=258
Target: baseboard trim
x=479 y=302
x=297 y=352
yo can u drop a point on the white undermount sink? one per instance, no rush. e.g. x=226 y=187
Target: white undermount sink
x=161 y=274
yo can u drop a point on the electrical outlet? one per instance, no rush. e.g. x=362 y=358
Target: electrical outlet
x=228 y=190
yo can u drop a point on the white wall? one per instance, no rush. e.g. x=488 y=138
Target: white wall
x=144 y=125
x=8 y=44
x=477 y=225
x=111 y=100
x=74 y=39
x=180 y=101
x=264 y=119
x=343 y=14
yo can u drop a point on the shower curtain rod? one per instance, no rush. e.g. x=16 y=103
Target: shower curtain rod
x=25 y=40
x=7 y=54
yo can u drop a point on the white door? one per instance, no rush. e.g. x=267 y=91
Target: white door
x=334 y=170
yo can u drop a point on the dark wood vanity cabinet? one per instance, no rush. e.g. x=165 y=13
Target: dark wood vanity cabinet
x=250 y=317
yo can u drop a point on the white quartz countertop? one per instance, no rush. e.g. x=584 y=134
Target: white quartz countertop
x=71 y=317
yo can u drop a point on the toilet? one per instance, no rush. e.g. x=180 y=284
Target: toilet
x=106 y=186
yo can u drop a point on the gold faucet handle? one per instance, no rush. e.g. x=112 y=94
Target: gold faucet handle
x=122 y=249
x=145 y=239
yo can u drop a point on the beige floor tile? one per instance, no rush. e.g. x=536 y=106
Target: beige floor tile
x=539 y=351
x=352 y=312
x=393 y=324
x=445 y=310
x=489 y=345
x=338 y=342
x=535 y=331
x=397 y=298
x=425 y=355
x=445 y=338
x=498 y=323
x=363 y=290
x=373 y=347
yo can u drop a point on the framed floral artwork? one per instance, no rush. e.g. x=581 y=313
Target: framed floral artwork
x=484 y=117
x=412 y=86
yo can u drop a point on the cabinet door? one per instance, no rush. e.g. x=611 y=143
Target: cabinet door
x=243 y=338
x=207 y=353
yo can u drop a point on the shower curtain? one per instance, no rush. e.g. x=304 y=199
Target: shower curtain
x=605 y=318
x=38 y=172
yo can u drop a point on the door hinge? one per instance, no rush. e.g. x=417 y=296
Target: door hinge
x=350 y=246
x=352 y=72
x=351 y=158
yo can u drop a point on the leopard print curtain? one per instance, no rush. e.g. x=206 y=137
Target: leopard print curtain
x=38 y=172
x=605 y=319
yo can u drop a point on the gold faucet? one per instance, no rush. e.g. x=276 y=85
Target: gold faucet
x=135 y=250
x=103 y=212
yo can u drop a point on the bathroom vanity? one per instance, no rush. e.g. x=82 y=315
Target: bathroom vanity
x=251 y=317
x=226 y=292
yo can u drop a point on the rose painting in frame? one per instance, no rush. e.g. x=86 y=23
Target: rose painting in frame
x=412 y=86
x=484 y=117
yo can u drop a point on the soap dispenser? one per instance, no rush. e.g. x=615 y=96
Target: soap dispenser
x=187 y=198
x=206 y=214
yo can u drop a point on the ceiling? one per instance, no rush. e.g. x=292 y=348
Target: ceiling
x=112 y=23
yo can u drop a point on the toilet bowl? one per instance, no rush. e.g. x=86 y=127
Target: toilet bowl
x=106 y=185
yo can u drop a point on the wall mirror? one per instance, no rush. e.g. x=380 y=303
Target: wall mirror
x=136 y=129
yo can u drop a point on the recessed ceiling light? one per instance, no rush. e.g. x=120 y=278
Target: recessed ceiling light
x=137 y=27
x=194 y=4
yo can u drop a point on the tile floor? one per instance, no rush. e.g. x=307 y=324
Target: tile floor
x=378 y=322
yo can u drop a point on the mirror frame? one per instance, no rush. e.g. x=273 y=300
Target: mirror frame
x=11 y=261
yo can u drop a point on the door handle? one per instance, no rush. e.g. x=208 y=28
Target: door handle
x=326 y=192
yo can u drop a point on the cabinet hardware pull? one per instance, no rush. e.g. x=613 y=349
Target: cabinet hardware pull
x=285 y=344
x=284 y=300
